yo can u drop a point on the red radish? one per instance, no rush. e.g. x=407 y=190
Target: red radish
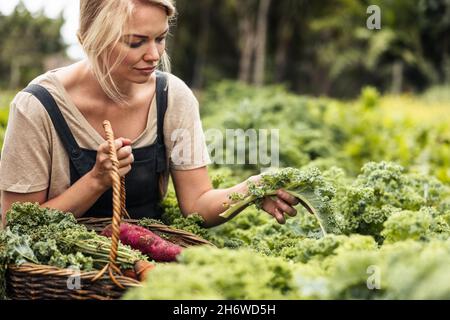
x=146 y=241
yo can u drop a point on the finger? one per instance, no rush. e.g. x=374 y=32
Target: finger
x=290 y=199
x=270 y=207
x=284 y=207
x=118 y=143
x=125 y=141
x=102 y=157
x=104 y=147
x=279 y=216
x=127 y=161
x=107 y=165
x=123 y=171
x=124 y=152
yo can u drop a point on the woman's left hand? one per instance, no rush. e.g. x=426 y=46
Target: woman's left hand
x=282 y=203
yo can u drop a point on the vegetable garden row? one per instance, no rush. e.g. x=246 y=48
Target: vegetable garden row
x=374 y=220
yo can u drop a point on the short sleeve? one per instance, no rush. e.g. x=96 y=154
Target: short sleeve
x=189 y=150
x=26 y=155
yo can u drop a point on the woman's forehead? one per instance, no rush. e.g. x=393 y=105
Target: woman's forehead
x=143 y=34
x=148 y=20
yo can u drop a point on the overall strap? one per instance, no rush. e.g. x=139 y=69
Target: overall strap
x=73 y=150
x=161 y=101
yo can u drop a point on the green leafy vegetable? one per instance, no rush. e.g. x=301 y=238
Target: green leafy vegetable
x=313 y=191
x=52 y=237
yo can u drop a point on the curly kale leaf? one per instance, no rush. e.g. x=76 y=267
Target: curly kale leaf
x=219 y=274
x=381 y=190
x=58 y=239
x=308 y=185
x=422 y=225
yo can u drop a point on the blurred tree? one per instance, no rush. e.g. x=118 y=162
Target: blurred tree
x=434 y=24
x=261 y=42
x=252 y=21
x=288 y=16
x=231 y=32
x=313 y=47
x=25 y=39
x=392 y=58
x=399 y=49
x=337 y=53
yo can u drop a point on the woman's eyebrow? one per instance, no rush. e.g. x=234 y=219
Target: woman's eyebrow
x=145 y=37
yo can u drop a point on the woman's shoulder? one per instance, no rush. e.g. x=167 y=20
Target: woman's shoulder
x=26 y=103
x=177 y=86
x=180 y=95
x=50 y=81
x=46 y=80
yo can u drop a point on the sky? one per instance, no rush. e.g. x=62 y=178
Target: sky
x=52 y=8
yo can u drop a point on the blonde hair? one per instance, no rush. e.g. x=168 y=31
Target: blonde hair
x=102 y=27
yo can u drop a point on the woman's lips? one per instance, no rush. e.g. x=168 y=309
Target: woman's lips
x=146 y=69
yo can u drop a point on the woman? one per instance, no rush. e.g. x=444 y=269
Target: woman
x=55 y=151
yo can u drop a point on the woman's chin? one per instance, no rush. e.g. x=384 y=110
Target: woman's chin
x=141 y=80
x=142 y=77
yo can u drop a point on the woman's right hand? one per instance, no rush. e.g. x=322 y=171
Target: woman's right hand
x=278 y=205
x=101 y=171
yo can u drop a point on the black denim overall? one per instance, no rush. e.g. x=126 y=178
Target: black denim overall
x=142 y=182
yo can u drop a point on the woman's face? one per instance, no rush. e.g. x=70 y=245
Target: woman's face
x=144 y=43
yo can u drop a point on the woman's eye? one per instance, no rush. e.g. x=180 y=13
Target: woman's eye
x=159 y=40
x=136 y=44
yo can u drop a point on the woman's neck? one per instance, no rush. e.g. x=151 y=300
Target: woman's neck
x=87 y=77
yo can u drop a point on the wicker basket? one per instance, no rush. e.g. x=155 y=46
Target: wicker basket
x=39 y=282
x=30 y=281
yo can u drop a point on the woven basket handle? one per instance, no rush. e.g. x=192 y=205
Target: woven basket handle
x=118 y=202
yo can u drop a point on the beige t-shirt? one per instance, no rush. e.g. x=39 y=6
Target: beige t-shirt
x=33 y=157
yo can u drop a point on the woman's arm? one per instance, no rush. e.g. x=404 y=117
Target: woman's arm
x=82 y=195
x=77 y=199
x=196 y=194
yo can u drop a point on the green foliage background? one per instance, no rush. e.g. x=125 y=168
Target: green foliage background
x=394 y=220
x=313 y=47
x=387 y=155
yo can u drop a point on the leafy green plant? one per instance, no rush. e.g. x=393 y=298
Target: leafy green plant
x=308 y=186
x=51 y=237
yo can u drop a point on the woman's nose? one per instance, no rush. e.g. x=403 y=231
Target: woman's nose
x=152 y=53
